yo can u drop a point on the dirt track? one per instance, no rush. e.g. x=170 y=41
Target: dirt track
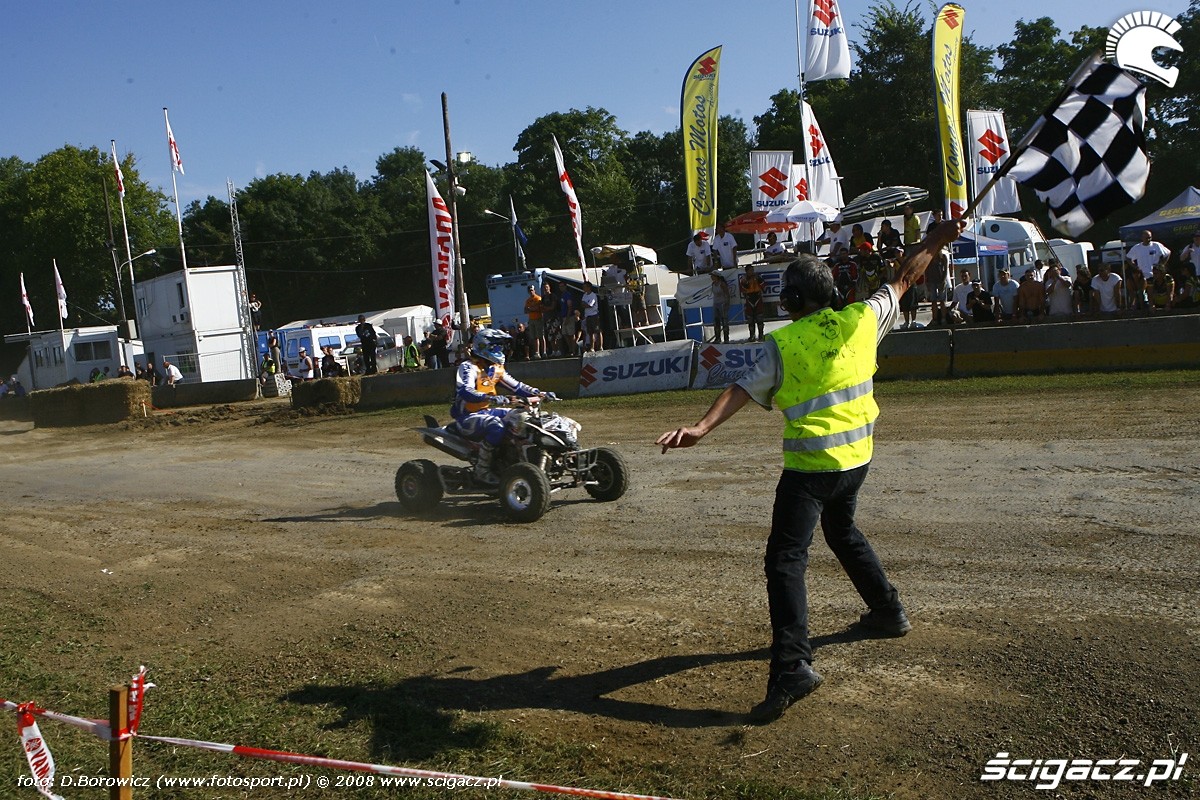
x=1049 y=564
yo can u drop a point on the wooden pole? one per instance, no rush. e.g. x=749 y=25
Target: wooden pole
x=120 y=751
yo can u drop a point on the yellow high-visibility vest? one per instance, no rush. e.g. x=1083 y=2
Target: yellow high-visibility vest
x=826 y=396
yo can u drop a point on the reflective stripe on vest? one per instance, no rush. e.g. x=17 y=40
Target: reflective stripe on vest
x=828 y=359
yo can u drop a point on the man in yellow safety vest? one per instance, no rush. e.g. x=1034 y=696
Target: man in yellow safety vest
x=818 y=370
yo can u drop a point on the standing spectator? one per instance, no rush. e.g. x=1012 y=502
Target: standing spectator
x=255 y=312
x=1058 y=291
x=961 y=292
x=1188 y=294
x=370 y=344
x=1191 y=253
x=1004 y=293
x=1161 y=289
x=720 y=307
x=411 y=358
x=1106 y=291
x=699 y=254
x=937 y=285
x=173 y=375
x=845 y=280
x=1081 y=292
x=1031 y=297
x=537 y=330
x=330 y=368
x=593 y=338
x=1135 y=288
x=871 y=276
x=439 y=351
x=1039 y=271
x=838 y=236
x=752 y=301
x=274 y=350
x=724 y=247
x=935 y=218
x=1147 y=254
x=308 y=365
x=568 y=320
x=912 y=226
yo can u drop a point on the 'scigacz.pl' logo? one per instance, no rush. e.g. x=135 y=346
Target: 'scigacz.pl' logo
x=774 y=183
x=992 y=149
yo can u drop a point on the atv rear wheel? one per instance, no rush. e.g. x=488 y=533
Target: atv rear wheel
x=524 y=492
x=417 y=485
x=610 y=474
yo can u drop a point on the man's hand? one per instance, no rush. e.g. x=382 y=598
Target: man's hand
x=913 y=267
x=680 y=437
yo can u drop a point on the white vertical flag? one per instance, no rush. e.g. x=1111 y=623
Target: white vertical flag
x=770 y=179
x=176 y=161
x=826 y=186
x=117 y=169
x=61 y=292
x=441 y=248
x=828 y=52
x=568 y=188
x=25 y=301
x=990 y=148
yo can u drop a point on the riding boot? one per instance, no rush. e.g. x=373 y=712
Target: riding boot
x=483 y=464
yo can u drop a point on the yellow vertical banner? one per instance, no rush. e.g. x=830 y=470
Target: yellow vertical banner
x=698 y=120
x=947 y=42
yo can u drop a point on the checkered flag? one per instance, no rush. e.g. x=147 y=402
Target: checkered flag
x=1086 y=155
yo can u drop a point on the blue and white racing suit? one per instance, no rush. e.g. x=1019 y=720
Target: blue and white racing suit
x=474 y=396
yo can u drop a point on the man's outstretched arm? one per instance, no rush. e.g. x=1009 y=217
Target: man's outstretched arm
x=728 y=403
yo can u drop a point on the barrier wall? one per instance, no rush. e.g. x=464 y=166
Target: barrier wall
x=200 y=394
x=721 y=365
x=915 y=354
x=633 y=370
x=1095 y=345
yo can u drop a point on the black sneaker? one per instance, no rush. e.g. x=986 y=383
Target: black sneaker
x=782 y=692
x=885 y=623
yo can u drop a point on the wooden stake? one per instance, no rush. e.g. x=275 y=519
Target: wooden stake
x=120 y=751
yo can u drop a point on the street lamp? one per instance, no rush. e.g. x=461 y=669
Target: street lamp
x=132 y=286
x=517 y=254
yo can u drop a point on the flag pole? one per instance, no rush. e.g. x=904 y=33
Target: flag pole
x=124 y=226
x=464 y=313
x=175 y=189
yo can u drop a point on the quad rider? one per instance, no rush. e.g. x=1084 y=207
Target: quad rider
x=475 y=397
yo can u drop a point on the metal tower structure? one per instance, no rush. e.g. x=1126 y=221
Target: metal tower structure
x=245 y=321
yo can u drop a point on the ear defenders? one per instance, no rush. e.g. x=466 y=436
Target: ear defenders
x=792 y=299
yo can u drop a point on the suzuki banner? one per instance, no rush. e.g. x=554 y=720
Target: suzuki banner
x=947 y=42
x=828 y=52
x=826 y=185
x=698 y=121
x=770 y=179
x=722 y=365
x=630 y=370
x=441 y=248
x=990 y=149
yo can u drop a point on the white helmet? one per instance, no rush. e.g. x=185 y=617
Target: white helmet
x=489 y=344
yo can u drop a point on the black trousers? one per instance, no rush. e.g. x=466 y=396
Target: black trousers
x=802 y=499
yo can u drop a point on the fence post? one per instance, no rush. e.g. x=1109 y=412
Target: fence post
x=120 y=751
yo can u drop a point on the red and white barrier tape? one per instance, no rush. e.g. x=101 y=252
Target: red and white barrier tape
x=101 y=729
x=37 y=752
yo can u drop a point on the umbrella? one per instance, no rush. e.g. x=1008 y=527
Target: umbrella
x=880 y=202
x=803 y=211
x=756 y=222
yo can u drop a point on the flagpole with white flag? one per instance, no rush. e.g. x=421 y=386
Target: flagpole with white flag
x=518 y=235
x=28 y=307
x=568 y=188
x=176 y=166
x=124 y=222
x=62 y=311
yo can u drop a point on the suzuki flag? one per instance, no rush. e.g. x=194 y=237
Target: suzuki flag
x=828 y=54
x=823 y=184
x=441 y=248
x=61 y=292
x=698 y=121
x=770 y=179
x=117 y=169
x=25 y=301
x=176 y=161
x=568 y=188
x=947 y=43
x=990 y=149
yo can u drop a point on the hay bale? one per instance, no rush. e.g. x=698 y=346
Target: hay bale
x=338 y=392
x=89 y=403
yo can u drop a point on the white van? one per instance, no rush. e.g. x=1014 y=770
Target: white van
x=341 y=338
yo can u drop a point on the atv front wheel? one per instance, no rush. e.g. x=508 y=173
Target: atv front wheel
x=524 y=492
x=610 y=476
x=417 y=486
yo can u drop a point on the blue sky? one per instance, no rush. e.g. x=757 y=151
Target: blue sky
x=265 y=86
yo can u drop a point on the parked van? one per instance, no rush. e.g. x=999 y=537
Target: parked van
x=341 y=338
